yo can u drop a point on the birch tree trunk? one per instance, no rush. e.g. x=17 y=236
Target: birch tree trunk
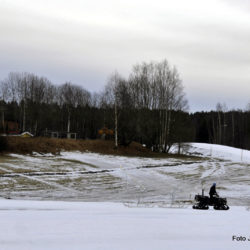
x=68 y=126
x=24 y=115
x=233 y=129
x=219 y=128
x=116 y=126
x=214 y=139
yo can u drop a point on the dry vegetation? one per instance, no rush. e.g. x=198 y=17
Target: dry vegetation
x=55 y=146
x=44 y=145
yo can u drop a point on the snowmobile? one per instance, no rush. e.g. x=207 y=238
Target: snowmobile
x=203 y=202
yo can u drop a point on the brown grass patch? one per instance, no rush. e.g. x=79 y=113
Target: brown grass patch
x=45 y=145
x=55 y=146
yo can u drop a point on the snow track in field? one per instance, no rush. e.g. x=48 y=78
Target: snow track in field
x=96 y=177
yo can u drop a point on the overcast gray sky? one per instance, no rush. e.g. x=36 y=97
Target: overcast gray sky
x=83 y=41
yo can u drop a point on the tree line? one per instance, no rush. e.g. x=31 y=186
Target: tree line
x=225 y=127
x=149 y=107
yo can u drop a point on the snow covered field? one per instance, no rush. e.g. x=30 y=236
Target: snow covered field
x=53 y=225
x=94 y=177
x=136 y=203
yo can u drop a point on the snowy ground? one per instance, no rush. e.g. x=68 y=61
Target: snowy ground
x=221 y=152
x=143 y=203
x=94 y=177
x=53 y=225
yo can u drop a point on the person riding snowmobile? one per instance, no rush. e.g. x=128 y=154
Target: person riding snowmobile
x=212 y=193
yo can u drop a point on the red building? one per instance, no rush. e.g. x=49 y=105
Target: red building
x=11 y=127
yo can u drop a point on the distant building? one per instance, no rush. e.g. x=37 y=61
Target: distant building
x=26 y=134
x=71 y=135
x=54 y=134
x=59 y=134
x=10 y=128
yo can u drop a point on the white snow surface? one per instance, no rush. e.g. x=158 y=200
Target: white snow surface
x=52 y=225
x=141 y=201
x=199 y=149
x=220 y=151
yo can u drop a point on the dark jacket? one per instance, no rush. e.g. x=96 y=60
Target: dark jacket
x=212 y=191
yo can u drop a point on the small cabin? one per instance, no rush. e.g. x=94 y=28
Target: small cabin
x=26 y=134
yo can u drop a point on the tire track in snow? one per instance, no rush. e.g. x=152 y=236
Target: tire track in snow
x=215 y=169
x=57 y=186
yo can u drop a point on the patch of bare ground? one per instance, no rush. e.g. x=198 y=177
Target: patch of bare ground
x=45 y=145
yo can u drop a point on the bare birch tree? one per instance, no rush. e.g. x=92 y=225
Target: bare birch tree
x=112 y=98
x=157 y=86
